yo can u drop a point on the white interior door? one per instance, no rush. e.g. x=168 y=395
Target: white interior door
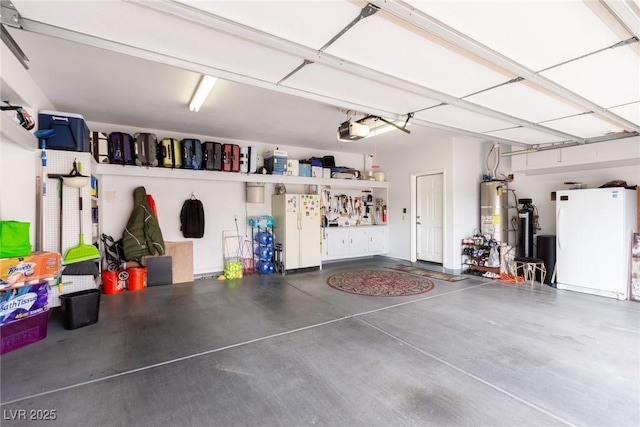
x=429 y=213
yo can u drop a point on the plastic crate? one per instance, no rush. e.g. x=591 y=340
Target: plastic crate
x=20 y=333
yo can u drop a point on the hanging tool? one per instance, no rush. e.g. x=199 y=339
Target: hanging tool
x=43 y=135
x=80 y=252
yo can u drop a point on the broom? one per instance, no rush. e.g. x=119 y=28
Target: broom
x=83 y=268
x=82 y=251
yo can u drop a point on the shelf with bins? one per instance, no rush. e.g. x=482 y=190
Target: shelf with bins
x=475 y=255
x=159 y=172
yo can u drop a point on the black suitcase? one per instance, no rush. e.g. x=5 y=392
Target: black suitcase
x=146 y=149
x=191 y=153
x=212 y=156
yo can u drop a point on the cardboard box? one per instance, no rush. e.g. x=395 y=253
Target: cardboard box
x=23 y=332
x=292 y=167
x=181 y=254
x=276 y=165
x=316 y=171
x=326 y=172
x=304 y=169
x=275 y=153
x=20 y=271
x=23 y=302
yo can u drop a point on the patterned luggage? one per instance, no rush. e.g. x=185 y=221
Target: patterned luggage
x=191 y=153
x=146 y=149
x=121 y=148
x=169 y=151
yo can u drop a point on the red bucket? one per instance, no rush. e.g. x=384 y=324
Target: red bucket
x=113 y=282
x=137 y=278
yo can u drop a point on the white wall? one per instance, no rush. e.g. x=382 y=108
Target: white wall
x=539 y=188
x=469 y=160
x=222 y=200
x=18 y=184
x=459 y=160
x=19 y=164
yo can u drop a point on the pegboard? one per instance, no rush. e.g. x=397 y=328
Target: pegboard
x=67 y=218
x=69 y=284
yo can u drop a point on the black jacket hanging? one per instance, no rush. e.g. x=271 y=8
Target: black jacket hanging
x=192 y=218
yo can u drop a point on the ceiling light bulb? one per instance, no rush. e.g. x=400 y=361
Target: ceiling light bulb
x=201 y=93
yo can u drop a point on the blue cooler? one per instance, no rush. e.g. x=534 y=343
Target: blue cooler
x=71 y=131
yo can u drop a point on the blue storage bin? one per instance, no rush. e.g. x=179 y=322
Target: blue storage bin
x=71 y=131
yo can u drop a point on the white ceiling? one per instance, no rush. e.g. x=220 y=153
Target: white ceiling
x=519 y=72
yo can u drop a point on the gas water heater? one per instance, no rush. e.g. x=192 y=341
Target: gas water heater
x=494 y=210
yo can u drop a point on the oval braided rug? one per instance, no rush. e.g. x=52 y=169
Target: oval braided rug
x=380 y=283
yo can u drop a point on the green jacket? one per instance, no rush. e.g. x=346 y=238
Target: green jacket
x=142 y=235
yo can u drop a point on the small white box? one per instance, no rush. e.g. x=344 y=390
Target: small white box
x=276 y=153
x=326 y=172
x=292 y=167
x=316 y=171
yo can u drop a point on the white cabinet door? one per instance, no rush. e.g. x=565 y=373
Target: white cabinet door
x=337 y=243
x=358 y=241
x=377 y=240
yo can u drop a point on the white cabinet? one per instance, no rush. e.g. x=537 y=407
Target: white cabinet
x=351 y=242
x=377 y=240
x=336 y=243
x=604 y=154
x=358 y=242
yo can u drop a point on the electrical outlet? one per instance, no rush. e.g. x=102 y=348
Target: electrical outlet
x=235 y=217
x=510 y=177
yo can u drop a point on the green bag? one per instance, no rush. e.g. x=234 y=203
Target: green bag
x=14 y=239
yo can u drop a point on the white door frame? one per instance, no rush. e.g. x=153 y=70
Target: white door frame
x=414 y=213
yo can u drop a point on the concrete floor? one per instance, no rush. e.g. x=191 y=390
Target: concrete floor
x=291 y=351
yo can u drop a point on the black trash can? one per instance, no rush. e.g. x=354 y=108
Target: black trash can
x=546 y=246
x=80 y=308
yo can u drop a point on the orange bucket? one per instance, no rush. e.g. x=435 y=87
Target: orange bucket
x=137 y=278
x=113 y=282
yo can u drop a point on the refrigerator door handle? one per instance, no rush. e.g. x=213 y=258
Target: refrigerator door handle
x=559 y=227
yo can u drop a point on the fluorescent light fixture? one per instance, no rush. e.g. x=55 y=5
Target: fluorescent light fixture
x=201 y=93
x=385 y=127
x=517 y=152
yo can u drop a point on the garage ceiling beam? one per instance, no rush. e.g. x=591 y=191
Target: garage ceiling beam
x=424 y=22
x=197 y=16
x=66 y=34
x=627 y=13
x=217 y=23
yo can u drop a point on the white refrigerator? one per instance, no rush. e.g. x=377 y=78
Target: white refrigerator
x=594 y=229
x=297 y=219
